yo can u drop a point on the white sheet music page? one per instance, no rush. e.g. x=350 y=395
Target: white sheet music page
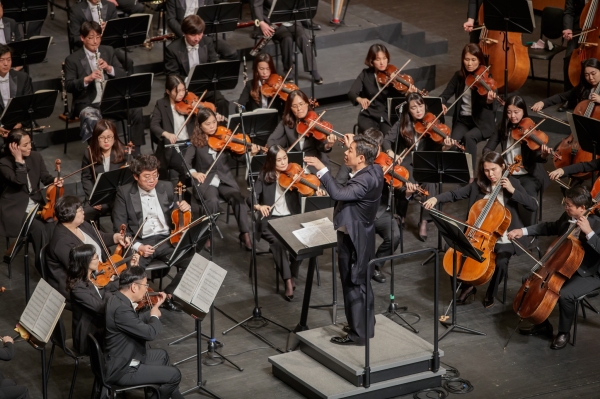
x=209 y=286
x=191 y=278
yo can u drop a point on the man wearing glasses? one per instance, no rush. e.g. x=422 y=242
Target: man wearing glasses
x=12 y=84
x=151 y=200
x=129 y=361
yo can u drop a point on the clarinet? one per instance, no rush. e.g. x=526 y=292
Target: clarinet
x=97 y=62
x=245 y=72
x=64 y=90
x=99 y=8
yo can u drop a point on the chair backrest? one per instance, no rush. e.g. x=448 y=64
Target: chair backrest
x=97 y=360
x=45 y=272
x=552 y=25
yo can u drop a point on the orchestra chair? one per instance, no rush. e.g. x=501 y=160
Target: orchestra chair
x=97 y=363
x=58 y=338
x=551 y=29
x=583 y=302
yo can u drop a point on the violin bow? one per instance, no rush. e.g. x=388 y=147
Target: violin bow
x=222 y=149
x=280 y=87
x=527 y=133
x=390 y=80
x=561 y=183
x=104 y=247
x=555 y=119
x=286 y=190
x=135 y=236
x=63 y=178
x=190 y=114
x=312 y=124
x=538 y=263
x=92 y=161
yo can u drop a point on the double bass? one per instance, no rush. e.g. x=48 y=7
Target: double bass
x=589 y=21
x=490 y=221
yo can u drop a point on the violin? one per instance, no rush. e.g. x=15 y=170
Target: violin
x=436 y=130
x=276 y=86
x=399 y=173
x=320 y=129
x=238 y=144
x=534 y=138
x=180 y=219
x=150 y=299
x=484 y=84
x=401 y=82
x=489 y=221
x=306 y=184
x=53 y=193
x=186 y=105
x=113 y=266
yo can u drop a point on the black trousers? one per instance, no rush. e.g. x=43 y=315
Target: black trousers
x=503 y=254
x=280 y=256
x=382 y=228
x=466 y=131
x=155 y=370
x=286 y=35
x=162 y=253
x=10 y=390
x=231 y=195
x=531 y=184
x=575 y=287
x=365 y=122
x=355 y=296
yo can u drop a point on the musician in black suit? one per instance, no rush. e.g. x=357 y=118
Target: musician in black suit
x=251 y=96
x=166 y=123
x=573 y=9
x=88 y=11
x=23 y=174
x=219 y=183
x=72 y=230
x=472 y=17
x=84 y=75
x=580 y=167
x=10 y=29
x=8 y=388
x=587 y=277
x=129 y=360
x=194 y=48
x=130 y=6
x=354 y=218
x=12 y=84
x=152 y=200
x=286 y=34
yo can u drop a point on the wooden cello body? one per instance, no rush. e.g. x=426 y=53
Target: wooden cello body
x=588 y=42
x=491 y=43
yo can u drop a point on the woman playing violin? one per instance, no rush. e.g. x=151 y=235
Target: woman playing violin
x=106 y=150
x=284 y=135
x=532 y=176
x=268 y=192
x=473 y=119
x=219 y=183
x=490 y=171
x=252 y=97
x=374 y=114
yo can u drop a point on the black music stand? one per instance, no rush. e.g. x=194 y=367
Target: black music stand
x=508 y=16
x=22 y=241
x=107 y=184
x=29 y=107
x=222 y=75
x=126 y=32
x=24 y=11
x=125 y=94
x=456 y=240
x=220 y=18
x=29 y=51
x=258 y=124
x=586 y=133
x=433 y=104
x=441 y=167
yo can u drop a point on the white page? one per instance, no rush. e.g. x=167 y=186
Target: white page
x=191 y=278
x=318 y=222
x=209 y=287
x=311 y=236
x=42 y=311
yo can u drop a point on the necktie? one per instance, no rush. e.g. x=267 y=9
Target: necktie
x=191 y=48
x=145 y=194
x=4 y=79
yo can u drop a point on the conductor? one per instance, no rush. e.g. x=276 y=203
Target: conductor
x=354 y=219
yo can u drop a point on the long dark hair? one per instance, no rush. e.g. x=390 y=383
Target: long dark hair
x=289 y=119
x=117 y=147
x=262 y=57
x=269 y=169
x=407 y=124
x=172 y=82
x=80 y=258
x=199 y=138
x=518 y=102
x=372 y=54
x=483 y=182
x=474 y=49
x=583 y=88
x=14 y=136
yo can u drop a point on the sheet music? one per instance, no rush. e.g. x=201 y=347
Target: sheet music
x=42 y=311
x=311 y=236
x=191 y=278
x=319 y=222
x=209 y=286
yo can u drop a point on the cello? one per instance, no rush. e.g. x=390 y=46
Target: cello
x=490 y=220
x=589 y=21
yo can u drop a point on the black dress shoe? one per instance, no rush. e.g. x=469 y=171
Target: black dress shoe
x=318 y=81
x=561 y=340
x=488 y=303
x=378 y=276
x=544 y=328
x=342 y=341
x=346 y=329
x=170 y=305
x=288 y=297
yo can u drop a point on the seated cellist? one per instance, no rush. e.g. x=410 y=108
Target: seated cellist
x=587 y=278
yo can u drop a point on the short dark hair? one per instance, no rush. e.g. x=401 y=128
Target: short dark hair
x=15 y=136
x=3 y=47
x=173 y=81
x=66 y=208
x=145 y=162
x=579 y=196
x=89 y=26
x=192 y=25
x=375 y=134
x=130 y=276
x=80 y=258
x=366 y=147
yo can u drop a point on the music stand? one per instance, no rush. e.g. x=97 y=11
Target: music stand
x=29 y=51
x=24 y=11
x=107 y=184
x=125 y=94
x=23 y=241
x=456 y=240
x=508 y=16
x=258 y=124
x=433 y=104
x=126 y=32
x=441 y=167
x=220 y=18
x=585 y=131
x=38 y=105
x=222 y=75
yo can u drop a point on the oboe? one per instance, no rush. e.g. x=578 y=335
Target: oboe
x=99 y=8
x=97 y=66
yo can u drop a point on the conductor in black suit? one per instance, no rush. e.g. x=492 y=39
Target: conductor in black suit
x=194 y=48
x=9 y=28
x=12 y=83
x=354 y=219
x=8 y=388
x=129 y=361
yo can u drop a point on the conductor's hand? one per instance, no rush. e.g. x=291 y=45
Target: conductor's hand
x=331 y=139
x=468 y=26
x=266 y=29
x=537 y=106
x=95 y=75
x=430 y=203
x=556 y=174
x=364 y=103
x=567 y=34
x=507 y=185
x=265 y=210
x=315 y=162
x=155 y=311
x=199 y=176
x=7 y=340
x=584 y=225
x=171 y=137
x=146 y=250
x=184 y=206
x=514 y=234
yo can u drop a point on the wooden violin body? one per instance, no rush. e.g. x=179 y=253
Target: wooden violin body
x=588 y=42
x=180 y=219
x=186 y=105
x=270 y=87
x=306 y=185
x=112 y=266
x=402 y=81
x=533 y=138
x=53 y=193
x=150 y=299
x=238 y=144
x=320 y=130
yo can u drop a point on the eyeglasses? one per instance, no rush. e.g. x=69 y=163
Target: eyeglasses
x=6 y=60
x=105 y=138
x=143 y=285
x=149 y=177
x=296 y=107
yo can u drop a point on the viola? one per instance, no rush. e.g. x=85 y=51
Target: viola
x=180 y=219
x=489 y=221
x=238 y=144
x=527 y=132
x=435 y=129
x=320 y=129
x=401 y=82
x=484 y=84
x=53 y=193
x=186 y=105
x=276 y=86
x=113 y=266
x=150 y=299
x=400 y=174
x=306 y=184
